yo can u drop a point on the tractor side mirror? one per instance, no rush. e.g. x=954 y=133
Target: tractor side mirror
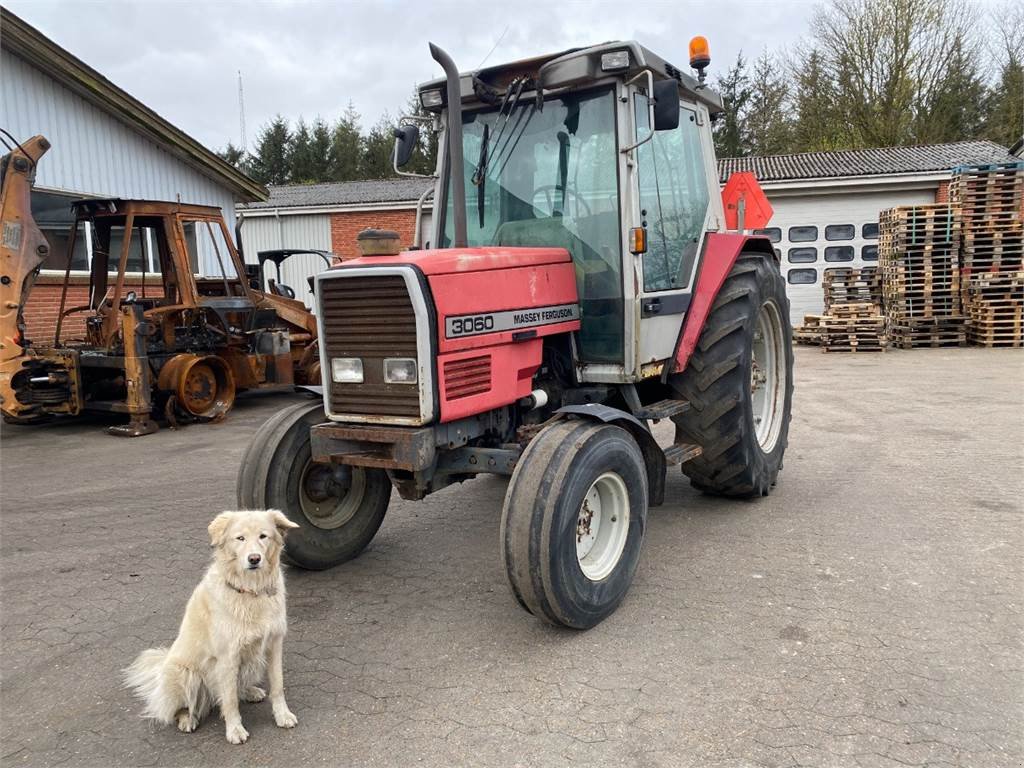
x=666 y=105
x=406 y=139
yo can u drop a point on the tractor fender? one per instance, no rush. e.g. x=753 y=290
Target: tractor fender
x=654 y=457
x=717 y=258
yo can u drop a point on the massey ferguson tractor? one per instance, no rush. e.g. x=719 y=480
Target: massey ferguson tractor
x=580 y=287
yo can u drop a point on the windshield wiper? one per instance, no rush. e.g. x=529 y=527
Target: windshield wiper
x=505 y=110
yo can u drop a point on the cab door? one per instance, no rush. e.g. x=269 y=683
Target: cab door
x=674 y=195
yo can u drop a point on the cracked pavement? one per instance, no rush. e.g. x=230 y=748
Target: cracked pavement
x=866 y=614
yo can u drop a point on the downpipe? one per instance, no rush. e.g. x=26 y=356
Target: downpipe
x=456 y=163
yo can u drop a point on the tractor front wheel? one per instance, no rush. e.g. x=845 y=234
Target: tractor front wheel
x=338 y=508
x=739 y=382
x=573 y=522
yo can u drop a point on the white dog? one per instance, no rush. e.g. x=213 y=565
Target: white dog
x=233 y=631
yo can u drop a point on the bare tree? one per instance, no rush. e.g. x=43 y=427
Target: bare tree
x=888 y=60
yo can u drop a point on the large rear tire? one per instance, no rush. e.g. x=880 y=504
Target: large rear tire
x=573 y=522
x=739 y=382
x=338 y=509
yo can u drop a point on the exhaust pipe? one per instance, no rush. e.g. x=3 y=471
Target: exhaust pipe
x=456 y=163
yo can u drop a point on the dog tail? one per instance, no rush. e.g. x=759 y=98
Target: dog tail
x=148 y=677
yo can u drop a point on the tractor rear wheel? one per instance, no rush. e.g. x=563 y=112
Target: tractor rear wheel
x=739 y=382
x=338 y=508
x=573 y=522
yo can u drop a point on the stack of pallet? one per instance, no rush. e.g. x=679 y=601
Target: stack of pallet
x=918 y=249
x=853 y=320
x=991 y=200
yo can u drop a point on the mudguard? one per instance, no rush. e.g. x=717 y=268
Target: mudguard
x=717 y=259
x=654 y=457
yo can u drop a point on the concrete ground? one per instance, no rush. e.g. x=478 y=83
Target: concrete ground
x=868 y=613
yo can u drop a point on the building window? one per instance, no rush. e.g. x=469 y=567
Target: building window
x=772 y=233
x=869 y=252
x=805 y=234
x=803 y=255
x=840 y=232
x=802 y=276
x=869 y=231
x=839 y=253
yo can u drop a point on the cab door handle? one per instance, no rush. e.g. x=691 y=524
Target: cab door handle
x=650 y=307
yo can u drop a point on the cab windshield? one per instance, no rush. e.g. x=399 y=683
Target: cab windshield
x=549 y=178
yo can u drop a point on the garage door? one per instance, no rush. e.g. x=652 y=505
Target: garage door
x=815 y=233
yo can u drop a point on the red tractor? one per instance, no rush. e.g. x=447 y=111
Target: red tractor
x=580 y=287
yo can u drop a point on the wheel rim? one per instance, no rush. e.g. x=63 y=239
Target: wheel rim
x=602 y=526
x=330 y=495
x=200 y=388
x=767 y=376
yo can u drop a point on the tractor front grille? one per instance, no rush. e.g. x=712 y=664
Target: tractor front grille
x=372 y=318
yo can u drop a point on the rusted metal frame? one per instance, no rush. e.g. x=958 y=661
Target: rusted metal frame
x=236 y=258
x=179 y=255
x=67 y=279
x=478 y=461
x=138 y=402
x=220 y=261
x=110 y=321
x=371 y=446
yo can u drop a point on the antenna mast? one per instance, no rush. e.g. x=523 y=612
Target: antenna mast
x=241 y=111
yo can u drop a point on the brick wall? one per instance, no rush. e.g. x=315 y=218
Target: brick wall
x=942 y=193
x=44 y=306
x=345 y=227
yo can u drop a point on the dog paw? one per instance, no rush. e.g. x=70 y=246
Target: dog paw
x=253 y=694
x=187 y=722
x=236 y=733
x=285 y=719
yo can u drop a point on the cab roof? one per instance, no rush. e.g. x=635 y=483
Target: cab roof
x=577 y=66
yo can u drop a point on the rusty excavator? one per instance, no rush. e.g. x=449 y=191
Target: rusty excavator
x=180 y=350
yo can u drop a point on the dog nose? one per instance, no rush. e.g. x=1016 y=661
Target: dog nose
x=254 y=559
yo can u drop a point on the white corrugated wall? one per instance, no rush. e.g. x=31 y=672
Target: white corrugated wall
x=264 y=233
x=94 y=154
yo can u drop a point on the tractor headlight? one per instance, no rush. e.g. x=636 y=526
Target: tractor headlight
x=614 y=61
x=347 y=370
x=400 y=370
x=431 y=99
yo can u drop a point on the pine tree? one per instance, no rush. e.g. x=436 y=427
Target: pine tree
x=233 y=156
x=734 y=87
x=300 y=161
x=378 y=146
x=270 y=162
x=346 y=147
x=818 y=123
x=320 y=151
x=768 y=128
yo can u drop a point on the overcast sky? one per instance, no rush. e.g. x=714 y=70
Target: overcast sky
x=312 y=58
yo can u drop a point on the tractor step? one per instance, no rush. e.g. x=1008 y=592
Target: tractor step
x=680 y=453
x=663 y=409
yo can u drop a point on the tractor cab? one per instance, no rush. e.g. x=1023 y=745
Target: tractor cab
x=604 y=152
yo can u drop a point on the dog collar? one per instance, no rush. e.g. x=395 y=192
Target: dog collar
x=239 y=590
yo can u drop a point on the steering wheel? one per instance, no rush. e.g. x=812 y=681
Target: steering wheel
x=569 y=192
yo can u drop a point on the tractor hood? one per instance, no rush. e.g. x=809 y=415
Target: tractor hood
x=446 y=261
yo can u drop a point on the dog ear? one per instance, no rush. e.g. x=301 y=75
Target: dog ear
x=281 y=522
x=217 y=528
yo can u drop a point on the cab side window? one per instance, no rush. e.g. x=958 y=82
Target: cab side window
x=674 y=198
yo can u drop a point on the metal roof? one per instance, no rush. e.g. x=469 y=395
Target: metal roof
x=342 y=193
x=29 y=44
x=880 y=161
